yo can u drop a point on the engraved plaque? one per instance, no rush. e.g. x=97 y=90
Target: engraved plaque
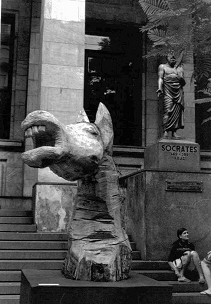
x=173 y=155
x=184 y=186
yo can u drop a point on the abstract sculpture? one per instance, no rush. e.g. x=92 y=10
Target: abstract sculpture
x=98 y=246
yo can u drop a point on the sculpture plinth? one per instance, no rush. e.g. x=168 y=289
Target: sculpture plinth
x=173 y=155
x=50 y=287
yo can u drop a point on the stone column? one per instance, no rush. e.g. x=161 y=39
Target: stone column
x=62 y=57
x=61 y=64
x=59 y=85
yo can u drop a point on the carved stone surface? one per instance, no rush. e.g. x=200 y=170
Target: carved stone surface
x=54 y=206
x=98 y=247
x=173 y=155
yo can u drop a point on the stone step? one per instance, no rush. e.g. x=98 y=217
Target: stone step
x=159 y=275
x=30 y=264
x=186 y=287
x=149 y=265
x=35 y=254
x=32 y=254
x=10 y=276
x=10 y=299
x=33 y=236
x=15 y=213
x=17 y=228
x=190 y=298
x=10 y=288
x=16 y=220
x=30 y=245
x=15 y=203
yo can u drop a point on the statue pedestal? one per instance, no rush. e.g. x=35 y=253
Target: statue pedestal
x=50 y=287
x=173 y=155
x=171 y=192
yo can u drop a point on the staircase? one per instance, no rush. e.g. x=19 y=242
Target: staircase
x=21 y=247
x=183 y=293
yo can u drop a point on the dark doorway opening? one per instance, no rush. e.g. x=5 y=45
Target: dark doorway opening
x=113 y=76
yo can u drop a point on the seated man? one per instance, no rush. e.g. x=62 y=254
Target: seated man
x=206 y=267
x=183 y=256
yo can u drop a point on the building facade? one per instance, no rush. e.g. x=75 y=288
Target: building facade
x=64 y=55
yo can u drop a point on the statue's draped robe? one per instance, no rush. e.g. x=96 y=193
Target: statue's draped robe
x=173 y=116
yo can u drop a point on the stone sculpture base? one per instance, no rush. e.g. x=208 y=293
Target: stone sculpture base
x=50 y=287
x=173 y=155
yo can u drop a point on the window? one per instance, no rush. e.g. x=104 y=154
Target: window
x=113 y=74
x=6 y=72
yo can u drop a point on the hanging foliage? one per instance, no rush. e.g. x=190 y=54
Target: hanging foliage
x=179 y=25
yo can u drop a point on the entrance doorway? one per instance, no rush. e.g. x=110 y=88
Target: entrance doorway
x=113 y=76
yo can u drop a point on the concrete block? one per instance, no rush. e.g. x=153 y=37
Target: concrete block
x=33 y=72
x=171 y=155
x=33 y=103
x=152 y=107
x=189 y=131
x=23 y=52
x=28 y=186
x=189 y=87
x=189 y=100
x=66 y=10
x=151 y=92
x=53 y=206
x=17 y=133
x=151 y=136
x=22 y=68
x=24 y=8
x=14 y=181
x=60 y=53
x=59 y=31
x=33 y=40
x=137 y=289
x=152 y=121
x=36 y=9
x=19 y=113
x=62 y=76
x=155 y=213
x=21 y=82
x=34 y=56
x=32 y=87
x=70 y=100
x=20 y=97
x=189 y=115
x=35 y=25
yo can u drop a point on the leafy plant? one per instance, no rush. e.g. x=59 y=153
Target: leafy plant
x=180 y=25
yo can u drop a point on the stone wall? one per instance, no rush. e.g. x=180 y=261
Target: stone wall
x=153 y=214
x=53 y=206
